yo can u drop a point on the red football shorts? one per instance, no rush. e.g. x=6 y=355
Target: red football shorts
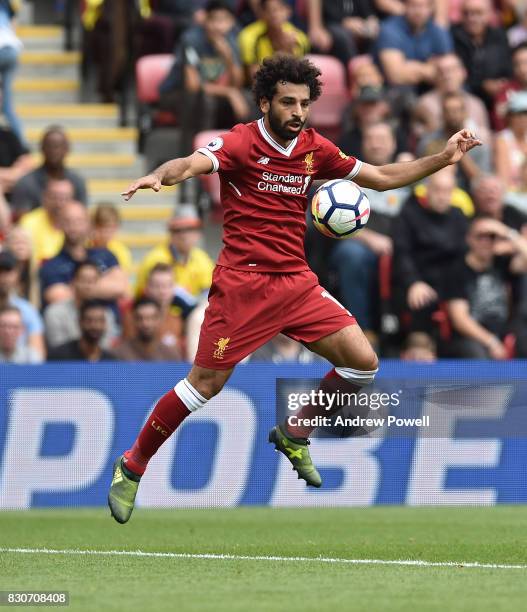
x=247 y=309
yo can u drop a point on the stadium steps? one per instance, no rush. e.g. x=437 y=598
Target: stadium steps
x=47 y=93
x=146 y=212
x=143 y=240
x=94 y=140
x=41 y=38
x=103 y=165
x=70 y=116
x=39 y=63
x=141 y=243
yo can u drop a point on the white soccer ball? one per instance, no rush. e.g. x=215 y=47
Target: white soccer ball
x=339 y=208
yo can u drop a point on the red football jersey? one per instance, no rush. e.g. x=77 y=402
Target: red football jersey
x=263 y=193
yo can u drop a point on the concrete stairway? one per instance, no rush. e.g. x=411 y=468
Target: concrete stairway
x=47 y=93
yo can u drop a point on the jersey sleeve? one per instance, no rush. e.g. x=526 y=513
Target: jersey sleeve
x=228 y=151
x=334 y=163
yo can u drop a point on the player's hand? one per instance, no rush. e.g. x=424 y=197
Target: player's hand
x=150 y=181
x=420 y=294
x=459 y=144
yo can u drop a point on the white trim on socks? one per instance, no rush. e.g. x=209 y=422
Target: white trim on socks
x=192 y=399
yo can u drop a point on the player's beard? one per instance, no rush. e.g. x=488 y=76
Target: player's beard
x=281 y=129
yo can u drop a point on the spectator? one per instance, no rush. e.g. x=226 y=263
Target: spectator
x=61 y=319
x=488 y=191
x=28 y=191
x=427 y=235
x=272 y=33
x=483 y=49
x=92 y=323
x=10 y=47
x=106 y=222
x=191 y=266
x=56 y=273
x=420 y=347
x=369 y=108
x=161 y=29
x=160 y=287
x=12 y=347
x=355 y=261
x=32 y=322
x=449 y=78
x=5 y=216
x=107 y=39
x=282 y=349
x=19 y=243
x=43 y=224
x=146 y=343
x=340 y=28
x=15 y=160
x=517 y=83
x=204 y=84
x=511 y=143
x=455 y=118
x=517 y=35
x=408 y=45
x=479 y=289
x=518 y=198
x=365 y=73
x=460 y=198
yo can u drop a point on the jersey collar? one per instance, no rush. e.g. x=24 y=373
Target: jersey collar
x=266 y=136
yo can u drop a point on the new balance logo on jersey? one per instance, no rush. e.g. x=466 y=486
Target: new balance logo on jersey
x=263 y=160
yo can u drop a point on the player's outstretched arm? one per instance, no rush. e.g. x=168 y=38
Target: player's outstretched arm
x=172 y=172
x=400 y=174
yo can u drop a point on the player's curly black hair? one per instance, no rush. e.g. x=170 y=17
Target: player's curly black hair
x=286 y=68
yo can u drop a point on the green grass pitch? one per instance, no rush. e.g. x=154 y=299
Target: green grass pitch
x=494 y=535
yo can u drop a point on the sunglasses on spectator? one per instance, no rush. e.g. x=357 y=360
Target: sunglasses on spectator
x=486 y=236
x=182 y=230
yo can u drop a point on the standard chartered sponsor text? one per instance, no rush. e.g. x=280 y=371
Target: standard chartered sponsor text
x=295 y=184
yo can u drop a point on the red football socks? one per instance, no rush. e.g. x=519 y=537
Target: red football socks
x=331 y=383
x=167 y=416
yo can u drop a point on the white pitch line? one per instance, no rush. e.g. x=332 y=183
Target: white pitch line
x=220 y=557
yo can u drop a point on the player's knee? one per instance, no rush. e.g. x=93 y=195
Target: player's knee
x=362 y=371
x=208 y=383
x=209 y=387
x=373 y=363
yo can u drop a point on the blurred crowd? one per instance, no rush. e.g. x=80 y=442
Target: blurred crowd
x=441 y=269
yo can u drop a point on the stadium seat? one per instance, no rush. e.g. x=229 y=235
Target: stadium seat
x=510 y=345
x=300 y=9
x=210 y=183
x=385 y=276
x=326 y=113
x=441 y=318
x=150 y=71
x=389 y=316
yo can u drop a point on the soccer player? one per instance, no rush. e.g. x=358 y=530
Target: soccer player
x=262 y=284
